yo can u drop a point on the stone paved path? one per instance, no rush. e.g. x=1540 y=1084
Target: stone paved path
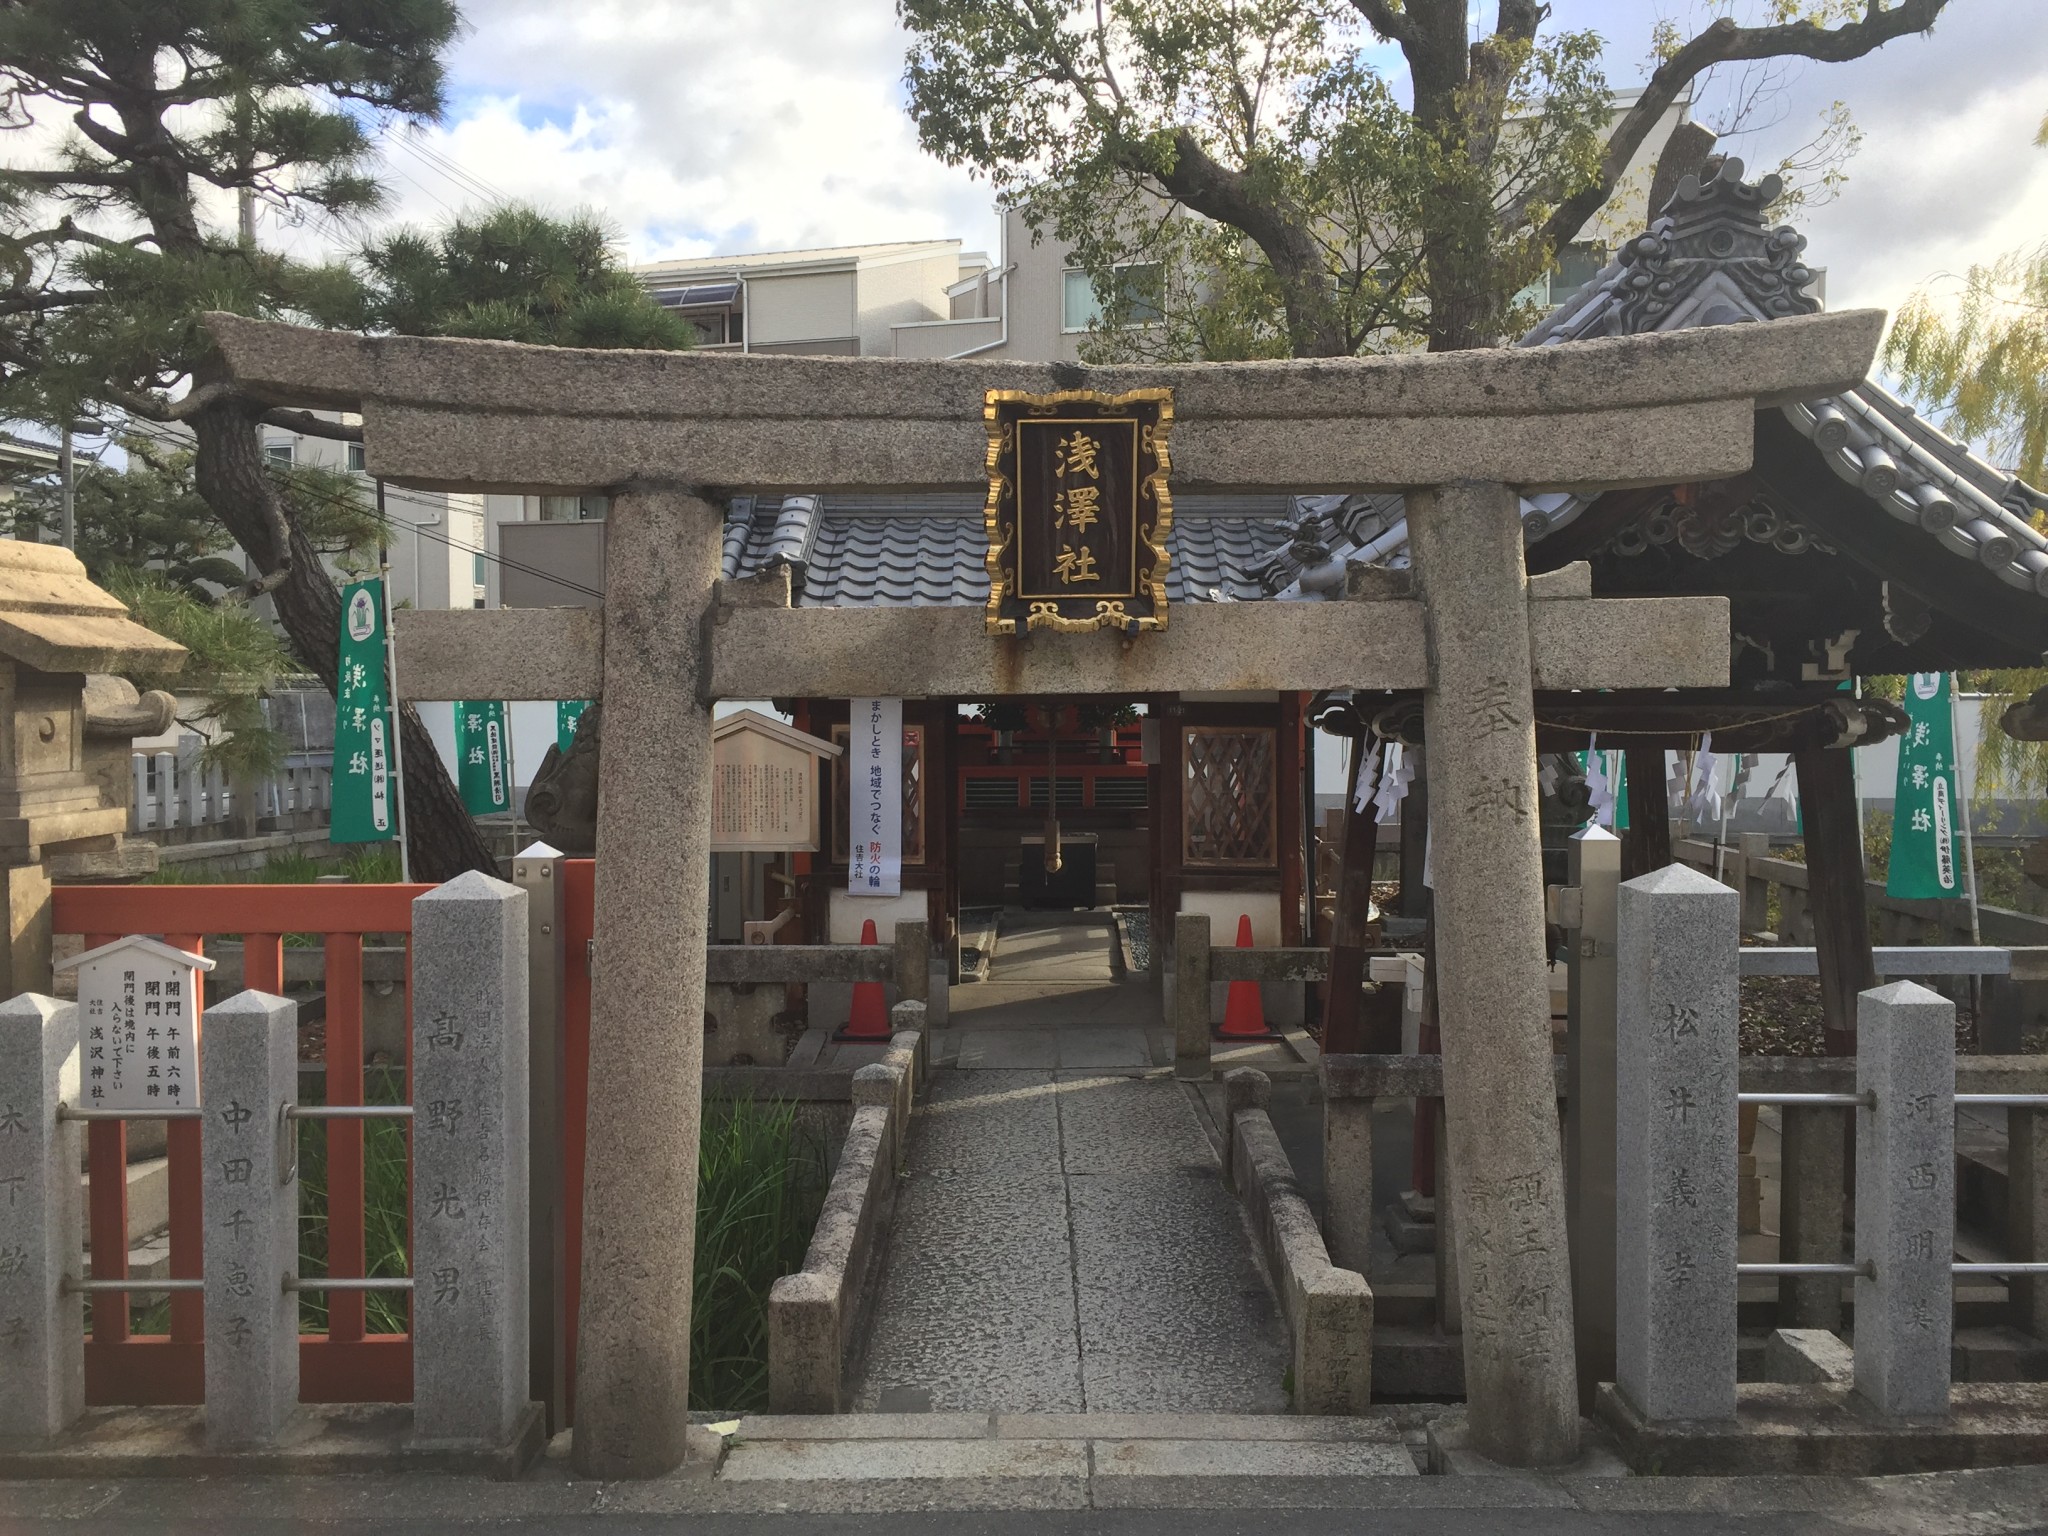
x=1063 y=1241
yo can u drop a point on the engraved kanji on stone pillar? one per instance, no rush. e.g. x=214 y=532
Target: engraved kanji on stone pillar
x=248 y=1070
x=1677 y=1061
x=1905 y=1198
x=42 y=1331
x=470 y=1332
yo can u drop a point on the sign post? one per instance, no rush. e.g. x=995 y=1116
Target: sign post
x=1926 y=802
x=365 y=777
x=484 y=752
x=567 y=713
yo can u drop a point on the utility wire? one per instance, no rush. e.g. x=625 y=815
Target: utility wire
x=164 y=434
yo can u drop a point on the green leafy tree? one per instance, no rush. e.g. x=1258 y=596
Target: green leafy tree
x=515 y=274
x=112 y=248
x=235 y=662
x=1292 y=202
x=1980 y=363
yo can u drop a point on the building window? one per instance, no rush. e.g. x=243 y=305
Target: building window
x=1577 y=265
x=574 y=509
x=355 y=458
x=1140 y=288
x=1228 y=804
x=476 y=569
x=278 y=451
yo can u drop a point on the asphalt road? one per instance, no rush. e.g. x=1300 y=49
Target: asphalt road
x=1168 y=1522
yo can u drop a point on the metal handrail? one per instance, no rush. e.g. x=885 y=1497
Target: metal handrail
x=333 y=1283
x=1811 y=1100
x=1866 y=1269
x=88 y=1287
x=181 y=1112
x=348 y=1111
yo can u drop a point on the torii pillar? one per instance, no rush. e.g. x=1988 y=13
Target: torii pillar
x=1453 y=431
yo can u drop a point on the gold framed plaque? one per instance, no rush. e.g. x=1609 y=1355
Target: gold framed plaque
x=1078 y=511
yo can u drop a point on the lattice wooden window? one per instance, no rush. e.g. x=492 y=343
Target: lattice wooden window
x=1228 y=811
x=913 y=794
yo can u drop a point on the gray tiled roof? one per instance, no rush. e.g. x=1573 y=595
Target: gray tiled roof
x=1709 y=260
x=927 y=550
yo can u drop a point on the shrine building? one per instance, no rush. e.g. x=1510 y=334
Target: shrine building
x=1863 y=541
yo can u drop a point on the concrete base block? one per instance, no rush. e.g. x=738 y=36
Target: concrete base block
x=1406 y=1233
x=1451 y=1454
x=1806 y=1357
x=1830 y=1431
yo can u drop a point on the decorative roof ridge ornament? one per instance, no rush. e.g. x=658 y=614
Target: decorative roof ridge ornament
x=1078 y=511
x=1709 y=260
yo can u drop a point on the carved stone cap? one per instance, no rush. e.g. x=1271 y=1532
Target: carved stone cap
x=54 y=619
x=116 y=711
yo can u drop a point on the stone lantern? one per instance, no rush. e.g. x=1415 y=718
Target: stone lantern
x=55 y=627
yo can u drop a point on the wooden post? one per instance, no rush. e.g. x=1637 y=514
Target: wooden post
x=1834 y=890
x=1646 y=840
x=1816 y=1155
x=1343 y=1029
x=1191 y=996
x=1287 y=763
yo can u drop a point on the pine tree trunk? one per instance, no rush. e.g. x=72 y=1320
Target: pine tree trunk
x=440 y=835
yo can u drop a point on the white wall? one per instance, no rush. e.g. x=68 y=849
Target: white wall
x=805 y=307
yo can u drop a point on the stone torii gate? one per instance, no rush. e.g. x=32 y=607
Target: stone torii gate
x=1459 y=433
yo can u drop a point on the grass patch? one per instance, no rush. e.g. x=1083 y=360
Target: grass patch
x=760 y=1186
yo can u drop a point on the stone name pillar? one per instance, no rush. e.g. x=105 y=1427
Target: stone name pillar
x=1500 y=1091
x=1677 y=1068
x=470 y=1260
x=248 y=1070
x=1905 y=1198
x=42 y=1328
x=647 y=986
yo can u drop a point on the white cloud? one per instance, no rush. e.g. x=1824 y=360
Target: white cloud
x=695 y=126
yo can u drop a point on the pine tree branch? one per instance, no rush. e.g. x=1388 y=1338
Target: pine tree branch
x=307 y=423
x=37 y=303
x=1724 y=42
x=152 y=409
x=113 y=180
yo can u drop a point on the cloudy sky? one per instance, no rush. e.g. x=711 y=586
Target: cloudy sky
x=718 y=126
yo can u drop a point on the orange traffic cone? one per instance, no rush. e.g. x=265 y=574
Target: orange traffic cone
x=870 y=1014
x=1243 y=1017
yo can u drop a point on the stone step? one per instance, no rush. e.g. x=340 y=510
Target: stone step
x=149 y=1199
x=1029 y=1446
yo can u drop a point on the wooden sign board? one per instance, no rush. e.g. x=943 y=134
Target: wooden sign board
x=1078 y=511
x=764 y=785
x=138 y=1025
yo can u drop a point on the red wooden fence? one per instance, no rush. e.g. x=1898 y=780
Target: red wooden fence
x=345 y=1364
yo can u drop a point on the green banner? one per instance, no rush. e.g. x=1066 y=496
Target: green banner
x=365 y=788
x=483 y=752
x=567 y=713
x=1928 y=801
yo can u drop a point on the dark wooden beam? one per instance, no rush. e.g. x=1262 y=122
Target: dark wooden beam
x=1646 y=840
x=1834 y=874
